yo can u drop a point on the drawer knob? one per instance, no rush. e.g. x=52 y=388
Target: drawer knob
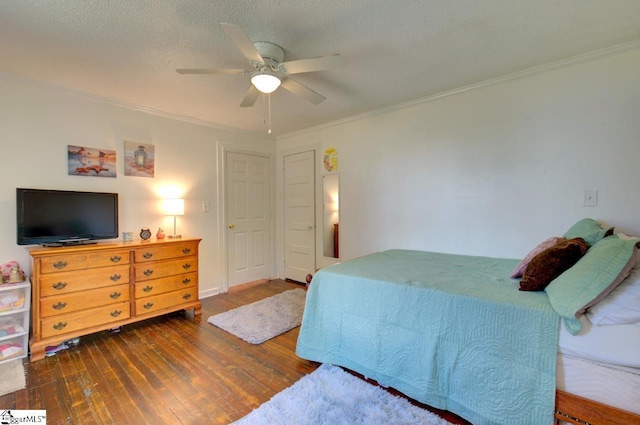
x=186 y=250
x=186 y=266
x=115 y=277
x=148 y=305
x=59 y=326
x=147 y=288
x=147 y=255
x=115 y=295
x=186 y=280
x=60 y=264
x=116 y=258
x=186 y=296
x=148 y=272
x=59 y=305
x=59 y=285
x=116 y=313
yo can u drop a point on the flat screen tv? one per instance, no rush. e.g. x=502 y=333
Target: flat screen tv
x=60 y=217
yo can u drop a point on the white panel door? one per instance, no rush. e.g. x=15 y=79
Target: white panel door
x=299 y=215
x=248 y=187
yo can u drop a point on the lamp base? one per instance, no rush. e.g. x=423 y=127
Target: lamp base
x=174 y=236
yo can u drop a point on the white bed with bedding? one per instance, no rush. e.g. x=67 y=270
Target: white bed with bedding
x=601 y=363
x=454 y=332
x=613 y=386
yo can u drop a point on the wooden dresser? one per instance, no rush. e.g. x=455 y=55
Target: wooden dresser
x=83 y=289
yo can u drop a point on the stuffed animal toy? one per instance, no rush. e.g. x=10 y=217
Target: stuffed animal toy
x=12 y=273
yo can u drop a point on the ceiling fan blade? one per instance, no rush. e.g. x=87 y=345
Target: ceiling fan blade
x=251 y=97
x=242 y=41
x=301 y=90
x=321 y=63
x=211 y=71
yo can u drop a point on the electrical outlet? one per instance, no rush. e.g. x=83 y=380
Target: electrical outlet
x=590 y=198
x=206 y=206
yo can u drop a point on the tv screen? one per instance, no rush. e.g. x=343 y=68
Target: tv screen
x=65 y=217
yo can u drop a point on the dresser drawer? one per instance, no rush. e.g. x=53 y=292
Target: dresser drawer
x=170 y=299
x=155 y=253
x=147 y=271
x=65 y=282
x=81 y=261
x=59 y=325
x=75 y=301
x=165 y=284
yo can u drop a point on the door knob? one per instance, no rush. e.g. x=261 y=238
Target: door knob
x=310 y=227
x=232 y=226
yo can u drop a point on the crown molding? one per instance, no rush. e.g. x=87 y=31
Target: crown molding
x=584 y=57
x=493 y=81
x=130 y=106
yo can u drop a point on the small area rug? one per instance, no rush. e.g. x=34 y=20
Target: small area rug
x=11 y=377
x=330 y=395
x=264 y=319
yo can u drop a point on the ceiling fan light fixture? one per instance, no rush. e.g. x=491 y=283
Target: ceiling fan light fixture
x=265 y=82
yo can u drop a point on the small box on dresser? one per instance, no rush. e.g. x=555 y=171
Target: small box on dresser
x=84 y=289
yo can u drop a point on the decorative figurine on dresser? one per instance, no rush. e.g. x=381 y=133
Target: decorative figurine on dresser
x=82 y=289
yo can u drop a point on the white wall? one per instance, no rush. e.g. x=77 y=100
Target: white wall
x=488 y=171
x=38 y=122
x=495 y=169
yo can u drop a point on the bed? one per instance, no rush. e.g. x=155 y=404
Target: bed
x=454 y=332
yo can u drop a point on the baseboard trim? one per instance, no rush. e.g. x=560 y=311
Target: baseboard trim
x=209 y=293
x=247 y=285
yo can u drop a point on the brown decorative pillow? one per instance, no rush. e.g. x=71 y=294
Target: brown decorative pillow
x=551 y=263
x=547 y=243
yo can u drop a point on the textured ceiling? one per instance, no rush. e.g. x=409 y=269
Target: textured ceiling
x=395 y=52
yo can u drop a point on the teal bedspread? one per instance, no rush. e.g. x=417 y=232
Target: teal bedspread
x=450 y=331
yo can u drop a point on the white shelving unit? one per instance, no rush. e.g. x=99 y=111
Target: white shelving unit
x=15 y=302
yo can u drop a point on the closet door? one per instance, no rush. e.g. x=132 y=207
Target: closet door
x=299 y=215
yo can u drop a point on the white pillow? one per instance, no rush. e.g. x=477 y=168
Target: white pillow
x=622 y=305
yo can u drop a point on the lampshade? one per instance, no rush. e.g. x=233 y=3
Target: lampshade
x=264 y=82
x=173 y=206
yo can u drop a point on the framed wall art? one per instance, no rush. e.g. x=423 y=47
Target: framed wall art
x=139 y=159
x=91 y=162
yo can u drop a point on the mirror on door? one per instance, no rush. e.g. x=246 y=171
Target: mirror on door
x=331 y=218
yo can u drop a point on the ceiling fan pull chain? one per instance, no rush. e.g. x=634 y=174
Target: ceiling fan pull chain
x=269 y=132
x=264 y=109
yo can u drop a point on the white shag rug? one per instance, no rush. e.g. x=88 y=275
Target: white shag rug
x=331 y=396
x=11 y=377
x=264 y=319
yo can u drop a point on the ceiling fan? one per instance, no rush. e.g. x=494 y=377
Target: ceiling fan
x=268 y=69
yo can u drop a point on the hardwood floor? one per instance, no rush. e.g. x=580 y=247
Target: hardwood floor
x=167 y=370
